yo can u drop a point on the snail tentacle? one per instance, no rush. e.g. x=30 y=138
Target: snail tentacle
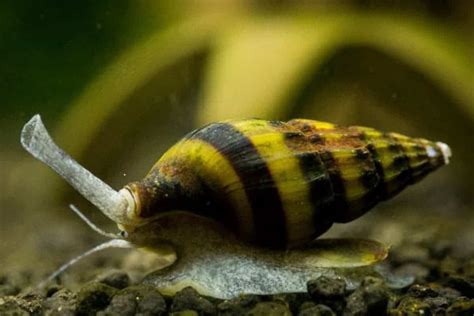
x=114 y=243
x=91 y=224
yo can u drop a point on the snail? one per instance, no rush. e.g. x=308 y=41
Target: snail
x=258 y=184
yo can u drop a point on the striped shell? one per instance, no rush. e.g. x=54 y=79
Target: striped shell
x=280 y=184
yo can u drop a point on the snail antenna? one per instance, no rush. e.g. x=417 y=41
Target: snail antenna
x=91 y=224
x=114 y=243
x=36 y=140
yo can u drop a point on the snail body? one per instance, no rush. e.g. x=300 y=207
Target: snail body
x=278 y=184
x=243 y=192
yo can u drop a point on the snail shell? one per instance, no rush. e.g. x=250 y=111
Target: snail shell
x=281 y=184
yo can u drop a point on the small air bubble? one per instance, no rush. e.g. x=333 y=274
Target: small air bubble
x=124 y=174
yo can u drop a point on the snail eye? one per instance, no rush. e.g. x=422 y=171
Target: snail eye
x=123 y=234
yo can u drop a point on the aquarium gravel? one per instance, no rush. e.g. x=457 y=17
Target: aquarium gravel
x=443 y=285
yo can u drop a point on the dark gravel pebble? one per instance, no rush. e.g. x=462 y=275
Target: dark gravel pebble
x=307 y=304
x=61 y=302
x=430 y=299
x=94 y=297
x=465 y=285
x=270 y=309
x=11 y=308
x=51 y=289
x=326 y=288
x=116 y=279
x=462 y=306
x=139 y=299
x=121 y=304
x=328 y=291
x=189 y=299
x=371 y=298
x=450 y=293
x=422 y=291
x=317 y=310
x=293 y=300
x=437 y=303
x=185 y=313
x=25 y=304
x=412 y=306
x=238 y=306
x=356 y=305
x=31 y=302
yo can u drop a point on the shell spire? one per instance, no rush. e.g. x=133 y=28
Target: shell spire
x=445 y=150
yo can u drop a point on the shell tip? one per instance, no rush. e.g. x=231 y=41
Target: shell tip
x=445 y=150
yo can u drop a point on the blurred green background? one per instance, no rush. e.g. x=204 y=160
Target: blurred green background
x=118 y=82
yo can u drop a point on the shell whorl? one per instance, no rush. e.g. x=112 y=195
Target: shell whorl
x=282 y=184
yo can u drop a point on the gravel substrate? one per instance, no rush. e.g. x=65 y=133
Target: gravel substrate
x=444 y=285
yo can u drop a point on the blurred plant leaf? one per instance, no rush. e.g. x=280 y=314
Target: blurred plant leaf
x=260 y=61
x=127 y=74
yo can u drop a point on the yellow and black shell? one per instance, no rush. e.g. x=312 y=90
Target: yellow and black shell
x=281 y=184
